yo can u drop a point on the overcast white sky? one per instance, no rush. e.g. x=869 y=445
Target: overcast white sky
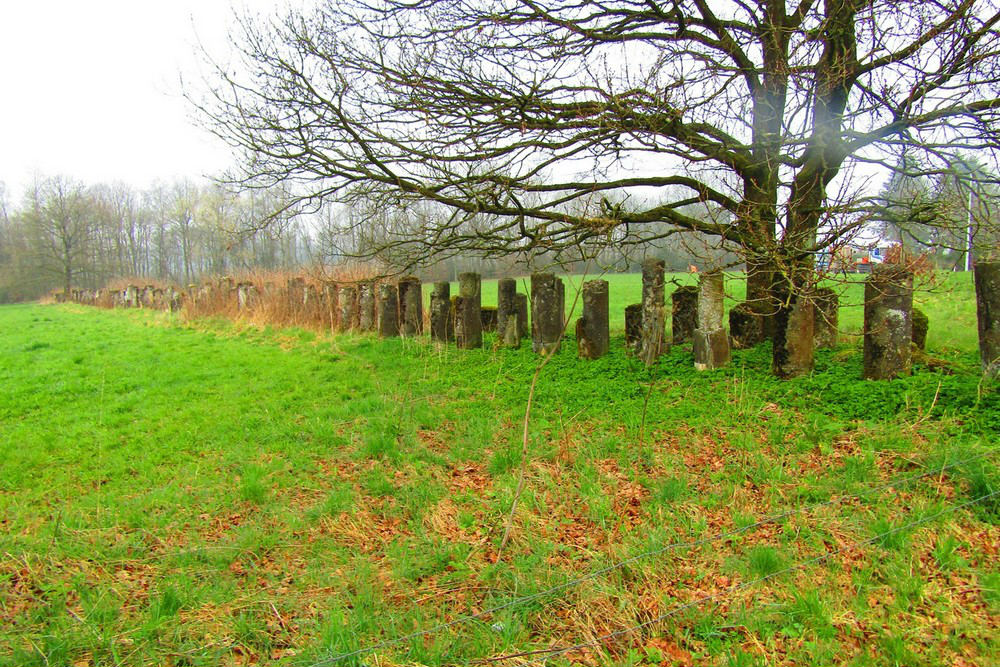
x=90 y=88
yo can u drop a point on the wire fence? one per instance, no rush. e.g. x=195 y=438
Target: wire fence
x=725 y=535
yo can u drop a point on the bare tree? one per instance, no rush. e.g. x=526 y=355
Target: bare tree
x=551 y=125
x=60 y=221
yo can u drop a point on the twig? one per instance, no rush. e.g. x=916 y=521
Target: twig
x=527 y=419
x=924 y=417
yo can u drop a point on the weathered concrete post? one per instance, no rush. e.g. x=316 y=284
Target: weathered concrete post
x=522 y=316
x=920 y=325
x=751 y=322
x=294 y=295
x=176 y=298
x=442 y=322
x=388 y=311
x=888 y=322
x=332 y=293
x=348 y=307
x=488 y=318
x=592 y=329
x=654 y=335
x=633 y=328
x=561 y=295
x=792 y=351
x=243 y=295
x=366 y=306
x=468 y=312
x=684 y=314
x=511 y=335
x=746 y=326
x=131 y=296
x=411 y=311
x=987 y=278
x=546 y=318
x=506 y=303
x=711 y=343
x=826 y=318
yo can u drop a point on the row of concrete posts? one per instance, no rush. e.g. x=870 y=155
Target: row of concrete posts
x=797 y=325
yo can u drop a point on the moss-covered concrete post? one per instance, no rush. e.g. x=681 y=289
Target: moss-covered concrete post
x=506 y=304
x=654 y=342
x=987 y=278
x=792 y=342
x=411 y=310
x=592 y=329
x=888 y=331
x=468 y=312
x=523 y=330
x=826 y=318
x=367 y=315
x=684 y=313
x=442 y=321
x=546 y=318
x=633 y=328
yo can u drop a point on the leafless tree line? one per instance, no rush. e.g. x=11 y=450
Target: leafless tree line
x=65 y=234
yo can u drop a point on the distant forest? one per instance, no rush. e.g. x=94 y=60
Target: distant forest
x=62 y=233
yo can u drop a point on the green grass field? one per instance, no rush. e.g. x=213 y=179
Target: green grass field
x=207 y=493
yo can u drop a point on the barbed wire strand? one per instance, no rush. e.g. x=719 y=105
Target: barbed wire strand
x=553 y=653
x=642 y=556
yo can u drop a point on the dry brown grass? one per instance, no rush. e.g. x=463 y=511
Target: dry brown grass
x=276 y=298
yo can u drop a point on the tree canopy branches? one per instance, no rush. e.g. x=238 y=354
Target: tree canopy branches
x=550 y=124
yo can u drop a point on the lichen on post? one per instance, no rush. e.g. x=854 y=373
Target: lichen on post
x=888 y=327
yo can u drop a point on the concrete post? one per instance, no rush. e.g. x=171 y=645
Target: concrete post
x=512 y=331
x=332 y=303
x=826 y=318
x=987 y=278
x=684 y=314
x=592 y=329
x=920 y=325
x=746 y=326
x=888 y=322
x=411 y=311
x=792 y=351
x=523 y=330
x=711 y=343
x=488 y=318
x=654 y=334
x=633 y=328
x=348 y=298
x=468 y=315
x=388 y=311
x=366 y=306
x=442 y=322
x=546 y=318
x=561 y=295
x=506 y=303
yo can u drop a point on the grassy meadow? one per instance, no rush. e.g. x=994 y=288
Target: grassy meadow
x=207 y=492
